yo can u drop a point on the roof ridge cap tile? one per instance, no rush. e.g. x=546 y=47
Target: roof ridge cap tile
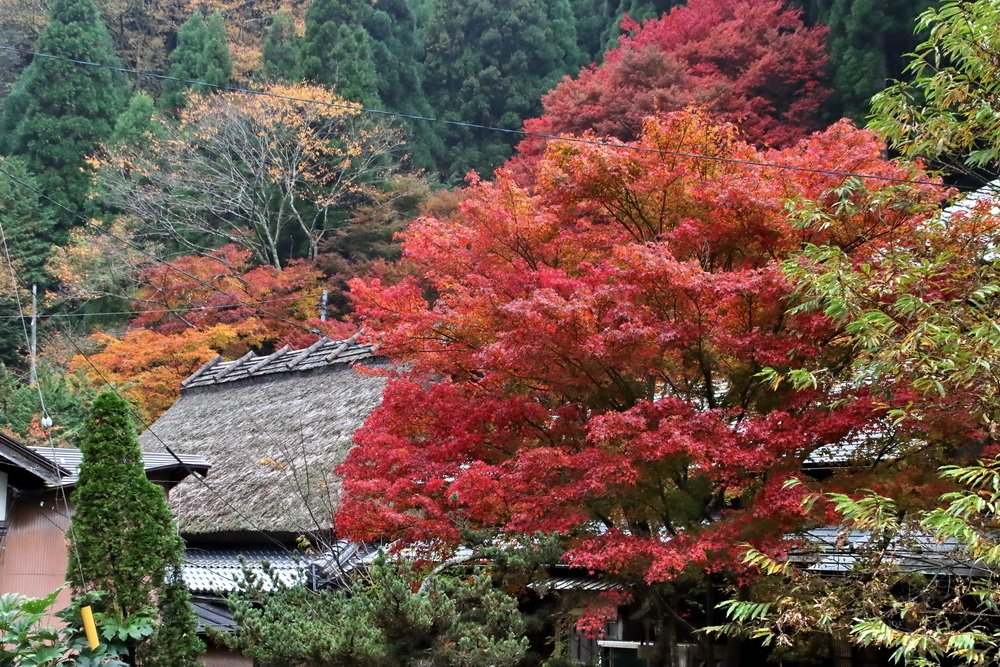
x=233 y=365
x=201 y=371
x=304 y=354
x=264 y=361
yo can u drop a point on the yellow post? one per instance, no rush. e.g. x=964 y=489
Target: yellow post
x=90 y=627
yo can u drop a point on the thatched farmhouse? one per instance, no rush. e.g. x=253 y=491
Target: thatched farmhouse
x=273 y=427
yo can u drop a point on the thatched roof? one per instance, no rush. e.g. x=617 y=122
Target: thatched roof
x=273 y=428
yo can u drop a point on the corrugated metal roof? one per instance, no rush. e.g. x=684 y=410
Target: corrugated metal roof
x=324 y=352
x=832 y=550
x=68 y=460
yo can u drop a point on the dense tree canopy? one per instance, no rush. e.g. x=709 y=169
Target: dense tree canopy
x=488 y=64
x=58 y=111
x=753 y=62
x=588 y=364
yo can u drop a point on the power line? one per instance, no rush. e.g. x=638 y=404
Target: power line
x=41 y=399
x=191 y=309
x=469 y=125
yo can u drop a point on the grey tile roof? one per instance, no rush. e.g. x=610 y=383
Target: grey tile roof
x=324 y=352
x=67 y=464
x=865 y=447
x=988 y=193
x=593 y=584
x=222 y=571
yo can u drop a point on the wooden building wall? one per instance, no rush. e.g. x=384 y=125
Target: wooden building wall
x=33 y=553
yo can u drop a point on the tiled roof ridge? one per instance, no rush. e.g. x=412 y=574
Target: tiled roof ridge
x=324 y=352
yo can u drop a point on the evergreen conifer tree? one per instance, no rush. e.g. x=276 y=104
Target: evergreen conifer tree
x=136 y=122
x=489 y=63
x=868 y=40
x=26 y=221
x=202 y=54
x=123 y=531
x=59 y=111
x=282 y=54
x=337 y=51
x=397 y=56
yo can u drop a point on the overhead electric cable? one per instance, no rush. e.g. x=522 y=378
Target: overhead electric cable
x=470 y=125
x=61 y=488
x=190 y=309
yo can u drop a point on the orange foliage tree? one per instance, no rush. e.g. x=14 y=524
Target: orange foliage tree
x=198 y=306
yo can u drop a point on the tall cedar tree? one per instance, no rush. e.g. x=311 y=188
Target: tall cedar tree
x=124 y=533
x=24 y=215
x=580 y=357
x=201 y=55
x=753 y=62
x=58 y=111
x=398 y=60
x=488 y=62
x=868 y=40
x=386 y=69
x=282 y=53
x=338 y=52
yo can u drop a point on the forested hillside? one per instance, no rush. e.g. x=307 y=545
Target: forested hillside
x=692 y=298
x=164 y=221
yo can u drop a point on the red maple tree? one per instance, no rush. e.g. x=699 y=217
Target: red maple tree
x=752 y=62
x=581 y=355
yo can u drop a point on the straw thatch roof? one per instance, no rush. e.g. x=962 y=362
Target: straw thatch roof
x=273 y=428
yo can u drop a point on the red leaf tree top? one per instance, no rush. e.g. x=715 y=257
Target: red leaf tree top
x=753 y=62
x=581 y=353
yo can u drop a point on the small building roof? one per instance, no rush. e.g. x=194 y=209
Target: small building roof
x=55 y=467
x=274 y=428
x=160 y=467
x=834 y=550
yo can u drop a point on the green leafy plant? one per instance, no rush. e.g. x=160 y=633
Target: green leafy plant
x=27 y=641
